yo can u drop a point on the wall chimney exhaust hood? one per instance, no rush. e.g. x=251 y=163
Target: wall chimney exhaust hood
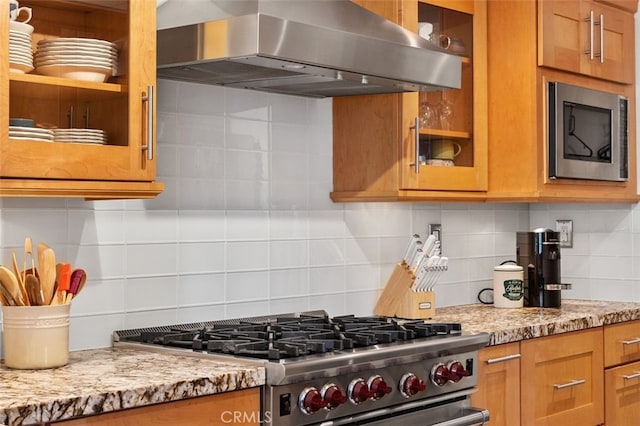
x=316 y=48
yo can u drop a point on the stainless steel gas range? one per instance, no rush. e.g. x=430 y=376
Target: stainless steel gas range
x=323 y=370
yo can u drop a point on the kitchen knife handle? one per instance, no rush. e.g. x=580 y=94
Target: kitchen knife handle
x=635 y=375
x=148 y=98
x=633 y=341
x=570 y=384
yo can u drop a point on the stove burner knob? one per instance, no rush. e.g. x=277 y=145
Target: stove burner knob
x=378 y=387
x=410 y=385
x=332 y=396
x=457 y=371
x=358 y=391
x=440 y=375
x=310 y=400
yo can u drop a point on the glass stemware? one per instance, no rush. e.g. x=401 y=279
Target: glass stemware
x=445 y=113
x=428 y=115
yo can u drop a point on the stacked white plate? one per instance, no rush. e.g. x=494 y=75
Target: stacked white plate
x=30 y=133
x=94 y=136
x=20 y=53
x=78 y=58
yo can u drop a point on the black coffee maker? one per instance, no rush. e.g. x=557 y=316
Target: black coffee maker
x=538 y=252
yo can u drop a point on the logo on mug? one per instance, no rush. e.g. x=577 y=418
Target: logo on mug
x=513 y=290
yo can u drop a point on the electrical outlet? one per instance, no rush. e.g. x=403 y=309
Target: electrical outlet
x=565 y=228
x=435 y=229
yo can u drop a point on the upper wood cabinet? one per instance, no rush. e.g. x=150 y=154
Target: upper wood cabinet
x=518 y=152
x=586 y=37
x=123 y=107
x=376 y=140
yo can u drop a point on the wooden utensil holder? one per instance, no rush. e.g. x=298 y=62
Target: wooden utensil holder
x=399 y=300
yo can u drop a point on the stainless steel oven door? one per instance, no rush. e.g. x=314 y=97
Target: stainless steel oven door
x=455 y=411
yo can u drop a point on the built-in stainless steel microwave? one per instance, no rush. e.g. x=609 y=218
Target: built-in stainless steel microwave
x=588 y=134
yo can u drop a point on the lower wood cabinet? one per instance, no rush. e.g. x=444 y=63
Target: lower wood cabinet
x=499 y=390
x=622 y=373
x=551 y=381
x=237 y=408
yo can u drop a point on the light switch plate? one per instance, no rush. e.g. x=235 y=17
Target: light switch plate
x=565 y=228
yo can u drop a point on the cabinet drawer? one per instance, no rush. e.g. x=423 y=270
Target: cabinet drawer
x=621 y=343
x=562 y=380
x=622 y=395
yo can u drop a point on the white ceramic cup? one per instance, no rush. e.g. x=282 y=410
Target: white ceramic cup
x=425 y=30
x=15 y=11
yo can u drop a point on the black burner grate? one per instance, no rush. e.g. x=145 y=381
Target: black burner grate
x=289 y=337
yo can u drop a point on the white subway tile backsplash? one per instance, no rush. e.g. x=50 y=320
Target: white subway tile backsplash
x=143 y=294
x=201 y=257
x=247 y=255
x=246 y=227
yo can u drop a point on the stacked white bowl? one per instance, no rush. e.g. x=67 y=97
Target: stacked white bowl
x=92 y=136
x=78 y=58
x=20 y=53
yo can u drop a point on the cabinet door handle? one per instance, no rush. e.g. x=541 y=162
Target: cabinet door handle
x=633 y=341
x=148 y=98
x=589 y=51
x=569 y=384
x=635 y=375
x=601 y=23
x=503 y=359
x=416 y=159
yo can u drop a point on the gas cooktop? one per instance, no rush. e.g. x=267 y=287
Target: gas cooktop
x=291 y=335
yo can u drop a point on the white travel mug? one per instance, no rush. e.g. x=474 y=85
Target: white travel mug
x=508 y=286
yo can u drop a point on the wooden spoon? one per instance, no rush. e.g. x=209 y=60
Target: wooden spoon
x=34 y=290
x=18 y=275
x=28 y=252
x=10 y=283
x=47 y=270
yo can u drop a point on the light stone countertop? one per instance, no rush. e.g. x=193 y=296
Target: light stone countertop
x=110 y=379
x=513 y=325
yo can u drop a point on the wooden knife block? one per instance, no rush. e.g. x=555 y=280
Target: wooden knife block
x=398 y=300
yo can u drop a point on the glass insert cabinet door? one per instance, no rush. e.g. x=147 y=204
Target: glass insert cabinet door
x=446 y=148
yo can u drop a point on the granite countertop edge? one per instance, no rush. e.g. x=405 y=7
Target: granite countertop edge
x=514 y=325
x=111 y=379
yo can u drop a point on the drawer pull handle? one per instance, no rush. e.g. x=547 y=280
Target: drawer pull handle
x=633 y=341
x=635 y=375
x=570 y=384
x=503 y=359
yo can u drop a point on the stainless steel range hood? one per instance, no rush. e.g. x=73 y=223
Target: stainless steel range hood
x=317 y=48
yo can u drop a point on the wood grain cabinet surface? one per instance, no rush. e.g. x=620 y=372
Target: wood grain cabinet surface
x=376 y=138
x=238 y=408
x=622 y=375
x=530 y=44
x=587 y=37
x=499 y=383
x=123 y=107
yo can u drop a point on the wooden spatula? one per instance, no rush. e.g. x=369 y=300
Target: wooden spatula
x=47 y=271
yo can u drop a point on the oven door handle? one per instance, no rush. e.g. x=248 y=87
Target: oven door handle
x=476 y=417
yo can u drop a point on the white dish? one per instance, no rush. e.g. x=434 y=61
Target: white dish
x=81 y=40
x=79 y=131
x=80 y=72
x=19 y=68
x=31 y=139
x=30 y=129
x=77 y=50
x=21 y=49
x=438 y=162
x=76 y=62
x=20 y=57
x=19 y=34
x=20 y=27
